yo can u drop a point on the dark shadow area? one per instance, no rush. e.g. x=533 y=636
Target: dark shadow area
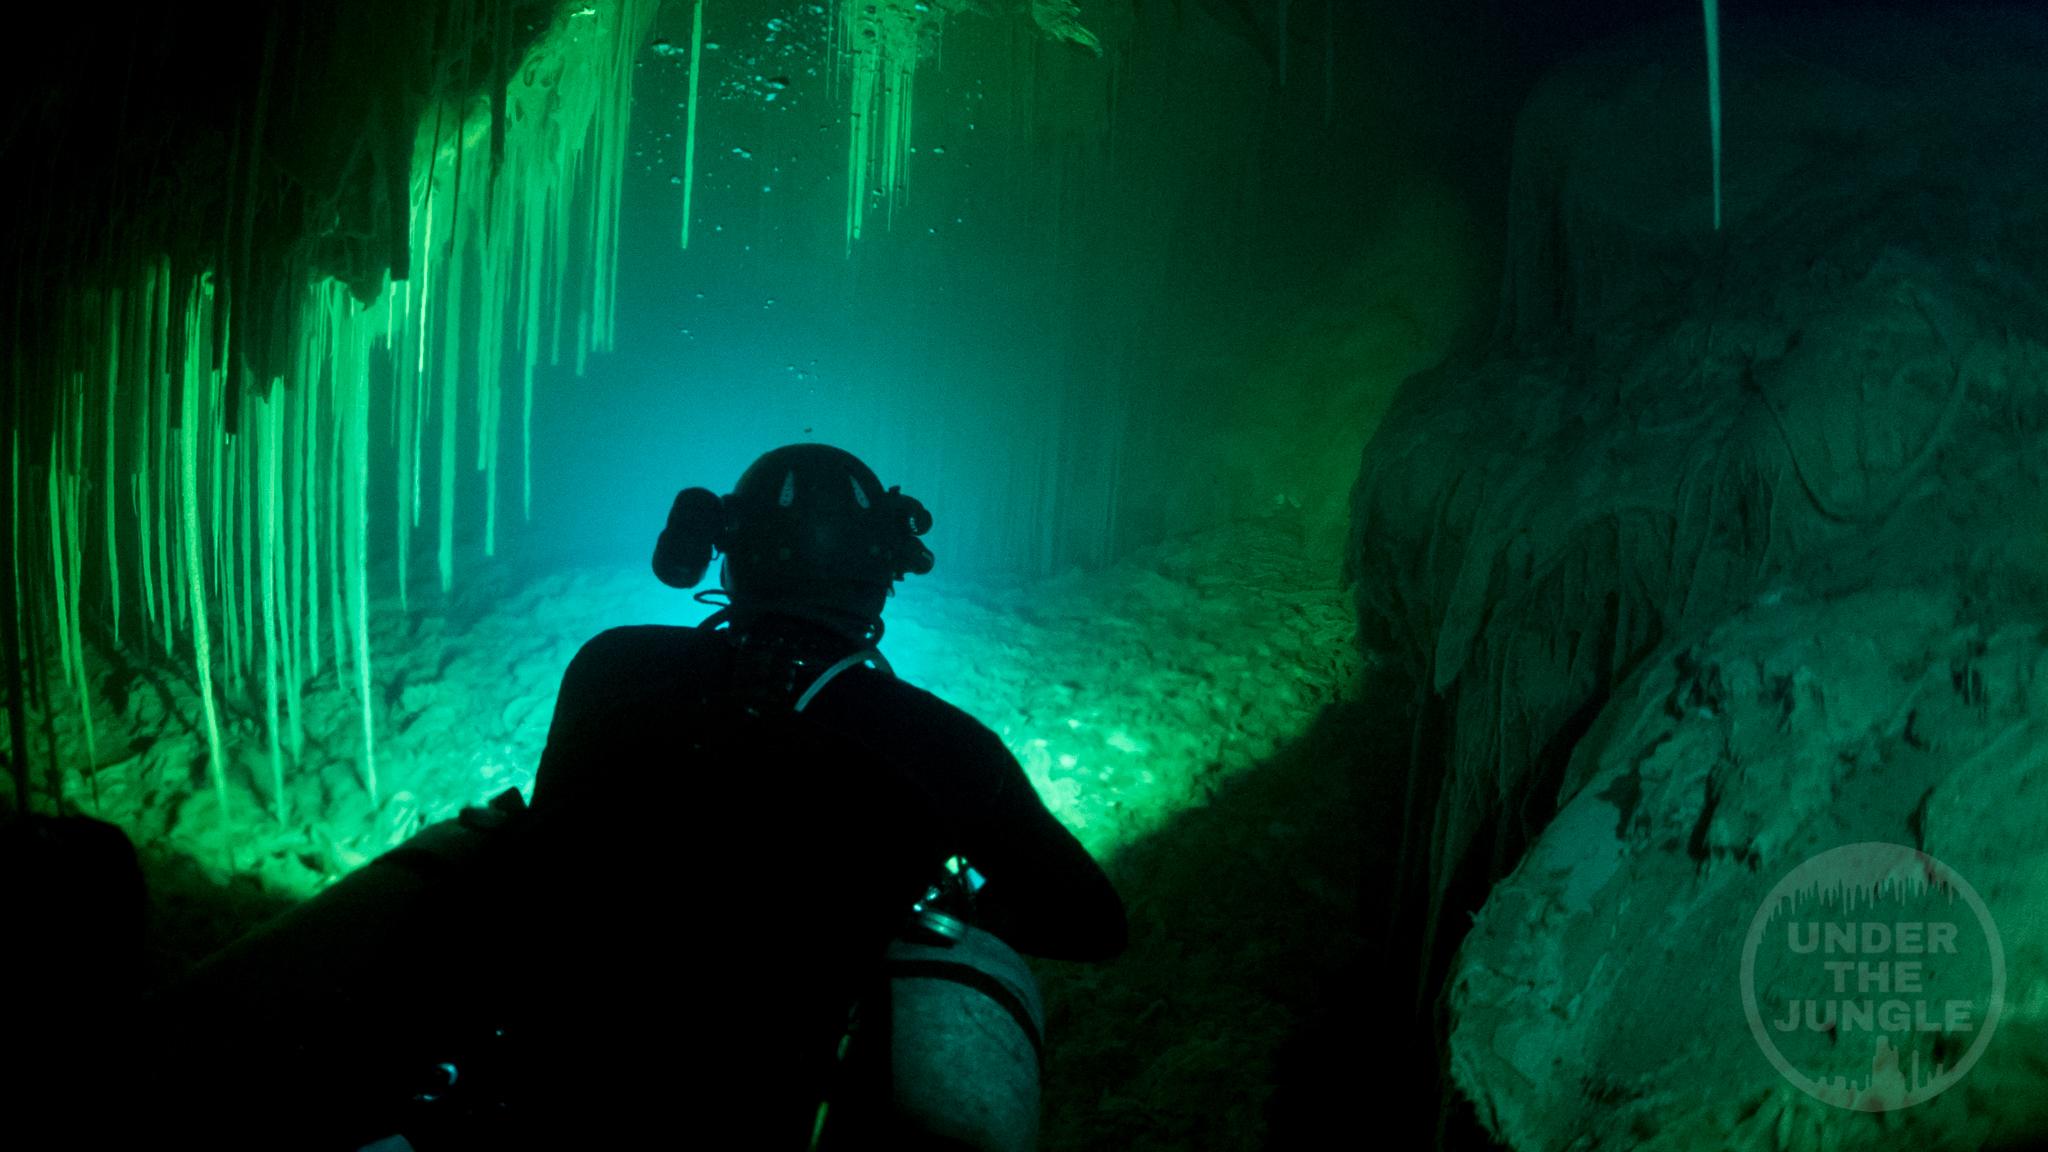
x=192 y=915
x=1261 y=1003
x=1360 y=1069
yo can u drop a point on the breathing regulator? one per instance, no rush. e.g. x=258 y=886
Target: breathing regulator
x=801 y=516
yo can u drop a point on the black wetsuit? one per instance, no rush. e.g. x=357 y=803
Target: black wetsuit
x=758 y=968
x=1045 y=894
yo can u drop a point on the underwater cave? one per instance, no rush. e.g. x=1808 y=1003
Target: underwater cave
x=1516 y=536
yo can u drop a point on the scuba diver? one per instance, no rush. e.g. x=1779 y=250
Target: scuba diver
x=824 y=796
x=741 y=869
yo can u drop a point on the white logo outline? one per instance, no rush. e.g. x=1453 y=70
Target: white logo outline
x=1871 y=865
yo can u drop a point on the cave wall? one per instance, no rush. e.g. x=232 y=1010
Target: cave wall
x=1599 y=538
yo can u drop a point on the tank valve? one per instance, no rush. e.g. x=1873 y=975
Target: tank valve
x=941 y=919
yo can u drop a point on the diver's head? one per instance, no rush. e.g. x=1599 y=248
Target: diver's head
x=807 y=526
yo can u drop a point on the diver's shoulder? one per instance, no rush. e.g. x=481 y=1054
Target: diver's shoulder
x=931 y=709
x=646 y=635
x=636 y=644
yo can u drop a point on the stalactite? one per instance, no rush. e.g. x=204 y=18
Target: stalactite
x=221 y=524
x=404 y=394
x=305 y=590
x=191 y=368
x=210 y=506
x=290 y=448
x=166 y=554
x=490 y=468
x=139 y=486
x=611 y=119
x=493 y=299
x=337 y=426
x=139 y=403
x=451 y=366
x=59 y=556
x=424 y=385
x=359 y=506
x=350 y=336
x=533 y=237
x=109 y=488
x=81 y=685
x=270 y=422
x=897 y=93
x=67 y=556
x=561 y=270
x=1712 y=11
x=885 y=46
x=245 y=443
x=690 y=128
x=858 y=116
x=493 y=261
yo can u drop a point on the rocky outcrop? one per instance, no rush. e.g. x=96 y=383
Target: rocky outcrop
x=1727 y=549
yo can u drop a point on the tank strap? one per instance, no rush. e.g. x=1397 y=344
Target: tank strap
x=982 y=982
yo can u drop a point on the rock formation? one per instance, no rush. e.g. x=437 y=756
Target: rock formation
x=1727 y=549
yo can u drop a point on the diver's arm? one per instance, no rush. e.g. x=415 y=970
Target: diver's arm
x=1045 y=895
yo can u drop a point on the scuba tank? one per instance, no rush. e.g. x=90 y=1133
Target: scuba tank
x=967 y=1025
x=969 y=1037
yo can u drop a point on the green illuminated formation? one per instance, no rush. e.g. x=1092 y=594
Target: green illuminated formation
x=884 y=44
x=190 y=444
x=690 y=133
x=1713 y=19
x=223 y=405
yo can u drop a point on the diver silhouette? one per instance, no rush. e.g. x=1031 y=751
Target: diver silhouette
x=819 y=797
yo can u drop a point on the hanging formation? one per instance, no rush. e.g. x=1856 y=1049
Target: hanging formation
x=234 y=512
x=881 y=46
x=875 y=50
x=1712 y=11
